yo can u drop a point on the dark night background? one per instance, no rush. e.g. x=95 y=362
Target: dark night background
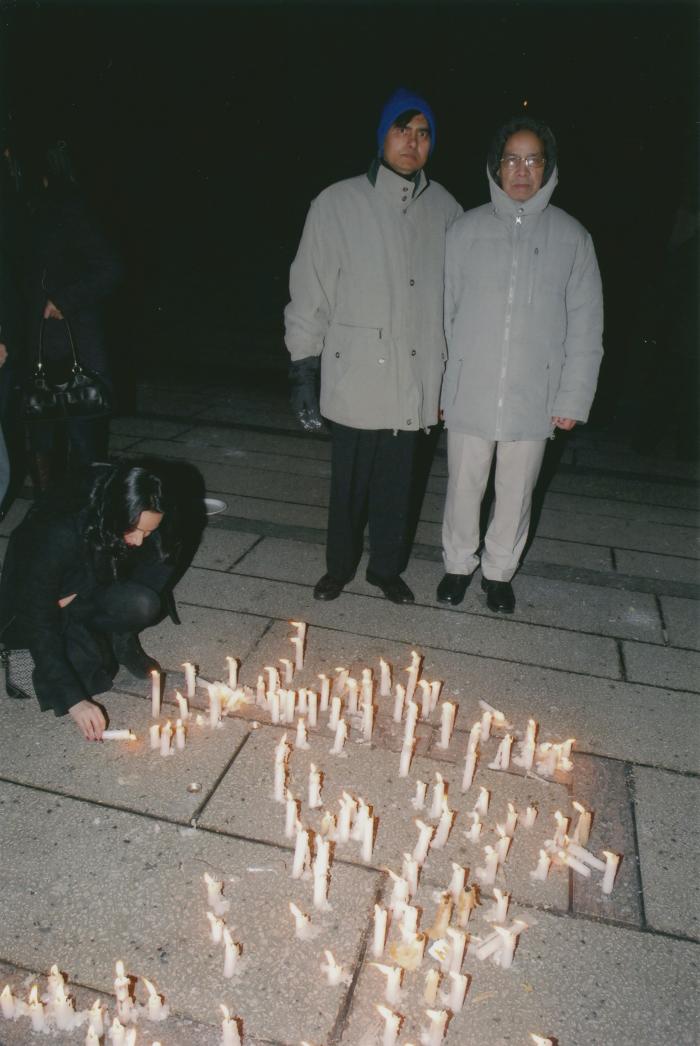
x=202 y=132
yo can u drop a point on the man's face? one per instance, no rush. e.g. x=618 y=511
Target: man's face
x=406 y=148
x=519 y=181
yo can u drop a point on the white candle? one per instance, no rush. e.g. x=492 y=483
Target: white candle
x=214 y=705
x=352 y=696
x=466 y=903
x=92 y=1038
x=155 y=693
x=301 y=628
x=7 y=1003
x=473 y=833
x=502 y=759
x=298 y=644
x=411 y=719
x=432 y=982
x=584 y=855
x=418 y=801
x=367 y=722
x=334 y=716
x=399 y=700
x=413 y=670
x=301 y=738
x=497 y=912
x=183 y=706
x=154 y=734
x=321 y=892
x=458 y=944
x=438 y=1024
x=361 y=816
x=487 y=874
x=260 y=691
x=438 y=798
x=190 y=678
x=425 y=834
x=380 y=920
x=409 y=922
x=612 y=861
x=341 y=733
x=288 y=699
x=127 y=1011
x=333 y=972
x=121 y=982
x=368 y=840
x=485 y=726
x=530 y=817
x=156 y=1009
x=503 y=844
x=540 y=1040
x=165 y=738
x=301 y=853
x=63 y=1011
x=384 y=678
x=367 y=686
x=447 y=721
x=469 y=768
x=179 y=735
x=116 y=1033
x=573 y=862
x=455 y=999
x=481 y=805
x=314 y=787
x=287 y=670
x=392 y=986
x=36 y=1010
x=546 y=761
x=96 y=1018
x=273 y=678
x=341 y=680
x=442 y=833
x=302 y=923
x=274 y=699
x=229 y=1029
x=424 y=698
x=582 y=830
x=540 y=872
x=347 y=811
x=312 y=707
x=280 y=782
x=562 y=827
x=511 y=820
x=489 y=946
x=216 y=928
x=232 y=951
x=215 y=898
x=406 y=756
x=118 y=735
x=459 y=875
x=325 y=692
x=409 y=871
x=392 y=1023
x=399 y=892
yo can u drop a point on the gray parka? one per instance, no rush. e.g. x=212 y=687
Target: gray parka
x=523 y=318
x=367 y=294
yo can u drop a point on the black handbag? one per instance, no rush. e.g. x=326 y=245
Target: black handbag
x=84 y=395
x=19 y=667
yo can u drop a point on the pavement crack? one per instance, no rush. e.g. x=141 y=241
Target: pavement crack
x=631 y=793
x=222 y=774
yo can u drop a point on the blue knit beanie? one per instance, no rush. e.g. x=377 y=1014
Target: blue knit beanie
x=400 y=101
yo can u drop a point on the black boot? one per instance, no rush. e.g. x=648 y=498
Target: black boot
x=129 y=653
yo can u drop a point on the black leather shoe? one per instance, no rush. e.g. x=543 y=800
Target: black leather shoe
x=394 y=588
x=328 y=587
x=129 y=653
x=499 y=596
x=452 y=588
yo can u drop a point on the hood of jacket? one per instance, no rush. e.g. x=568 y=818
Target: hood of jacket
x=505 y=207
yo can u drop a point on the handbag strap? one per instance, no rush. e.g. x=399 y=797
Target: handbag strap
x=40 y=357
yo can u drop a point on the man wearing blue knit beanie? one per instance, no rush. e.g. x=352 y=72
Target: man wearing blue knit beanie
x=366 y=316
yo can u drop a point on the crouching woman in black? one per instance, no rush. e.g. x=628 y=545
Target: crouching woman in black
x=84 y=574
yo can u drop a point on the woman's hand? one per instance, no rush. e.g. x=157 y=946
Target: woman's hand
x=90 y=719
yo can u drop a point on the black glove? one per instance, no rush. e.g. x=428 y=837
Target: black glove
x=304 y=392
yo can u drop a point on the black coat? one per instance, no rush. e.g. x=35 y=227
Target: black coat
x=72 y=265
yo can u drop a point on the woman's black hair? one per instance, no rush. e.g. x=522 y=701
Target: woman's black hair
x=523 y=123
x=118 y=497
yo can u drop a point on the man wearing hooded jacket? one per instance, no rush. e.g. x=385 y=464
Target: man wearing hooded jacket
x=524 y=325
x=366 y=309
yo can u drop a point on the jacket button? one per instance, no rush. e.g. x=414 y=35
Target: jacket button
x=403 y=199
x=409 y=421
x=413 y=352
x=412 y=283
x=337 y=355
x=382 y=360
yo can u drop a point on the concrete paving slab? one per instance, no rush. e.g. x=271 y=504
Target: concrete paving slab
x=665 y=667
x=253 y=482
x=510 y=640
x=576 y=981
x=618 y=509
x=668 y=828
x=270 y=510
x=626 y=488
x=85 y=898
x=221 y=549
x=568 y=554
x=624 y=461
x=541 y=601
x=630 y=534
x=601 y=786
x=668 y=568
x=206 y=637
x=610 y=718
x=287 y=444
x=194 y=451
x=151 y=427
x=682 y=618
x=46 y=752
x=244 y=805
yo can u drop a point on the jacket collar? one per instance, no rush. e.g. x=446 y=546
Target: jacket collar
x=507 y=208
x=396 y=185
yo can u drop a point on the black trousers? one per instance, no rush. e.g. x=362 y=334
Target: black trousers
x=371 y=479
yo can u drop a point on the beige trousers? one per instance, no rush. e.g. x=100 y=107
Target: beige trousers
x=469 y=463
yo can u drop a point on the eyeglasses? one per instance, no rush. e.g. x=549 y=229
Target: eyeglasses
x=511 y=161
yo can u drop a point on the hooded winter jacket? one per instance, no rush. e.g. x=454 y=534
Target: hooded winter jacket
x=523 y=318
x=366 y=295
